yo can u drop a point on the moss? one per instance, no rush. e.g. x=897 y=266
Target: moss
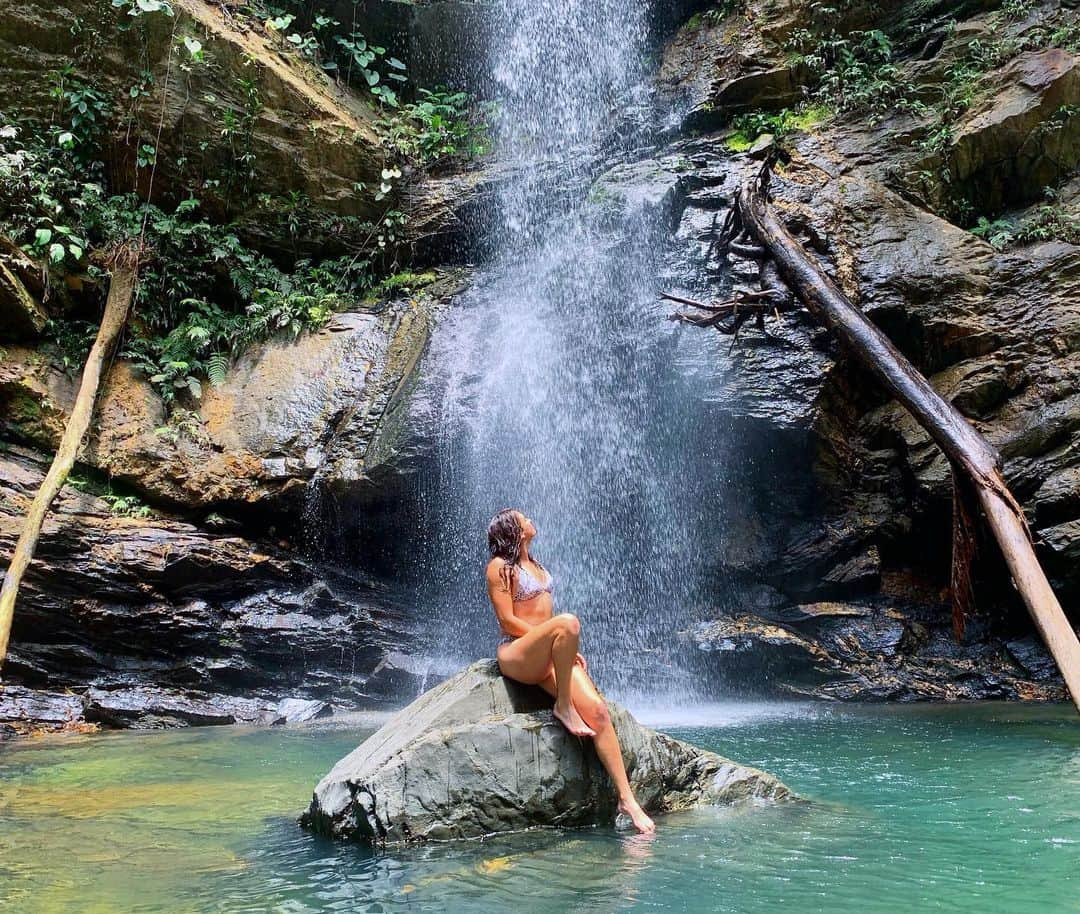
x=749 y=126
x=602 y=195
x=22 y=406
x=738 y=142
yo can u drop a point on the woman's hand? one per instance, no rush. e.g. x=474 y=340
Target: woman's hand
x=580 y=661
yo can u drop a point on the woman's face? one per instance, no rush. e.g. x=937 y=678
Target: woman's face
x=528 y=529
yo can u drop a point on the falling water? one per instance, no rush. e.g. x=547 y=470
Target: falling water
x=554 y=375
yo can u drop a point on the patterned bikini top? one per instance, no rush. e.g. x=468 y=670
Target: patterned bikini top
x=528 y=586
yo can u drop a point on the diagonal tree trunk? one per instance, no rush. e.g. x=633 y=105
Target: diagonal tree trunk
x=121 y=290
x=970 y=454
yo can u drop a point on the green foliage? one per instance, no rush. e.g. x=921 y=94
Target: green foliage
x=965 y=84
x=854 y=71
x=360 y=65
x=440 y=125
x=127 y=505
x=1050 y=222
x=357 y=61
x=85 y=108
x=71 y=341
x=123 y=503
x=716 y=15
x=237 y=129
x=203 y=296
x=406 y=281
x=749 y=126
x=143 y=7
x=1017 y=9
x=999 y=232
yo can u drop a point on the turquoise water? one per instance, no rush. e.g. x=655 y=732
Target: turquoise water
x=915 y=808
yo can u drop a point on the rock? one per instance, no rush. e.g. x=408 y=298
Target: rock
x=1006 y=151
x=21 y=316
x=299 y=710
x=1033 y=657
x=713 y=69
x=861 y=572
x=762 y=146
x=170 y=622
x=648 y=190
x=21 y=705
x=479 y=755
x=327 y=403
x=871 y=652
x=306 y=135
x=153 y=708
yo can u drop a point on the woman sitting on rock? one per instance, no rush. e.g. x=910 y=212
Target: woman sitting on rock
x=539 y=648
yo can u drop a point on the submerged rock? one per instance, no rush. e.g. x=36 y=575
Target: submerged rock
x=480 y=754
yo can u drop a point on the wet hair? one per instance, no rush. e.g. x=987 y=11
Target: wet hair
x=504 y=542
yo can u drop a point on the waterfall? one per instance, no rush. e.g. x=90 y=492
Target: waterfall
x=555 y=375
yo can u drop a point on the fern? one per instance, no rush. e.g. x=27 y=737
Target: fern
x=217 y=367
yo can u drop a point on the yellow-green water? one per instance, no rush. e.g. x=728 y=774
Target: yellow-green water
x=963 y=808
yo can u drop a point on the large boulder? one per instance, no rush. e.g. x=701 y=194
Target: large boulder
x=480 y=754
x=1024 y=137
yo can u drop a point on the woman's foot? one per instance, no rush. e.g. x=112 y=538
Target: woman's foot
x=572 y=721
x=629 y=807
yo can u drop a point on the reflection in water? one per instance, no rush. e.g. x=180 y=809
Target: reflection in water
x=913 y=808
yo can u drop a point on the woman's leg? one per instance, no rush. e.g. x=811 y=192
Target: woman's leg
x=530 y=658
x=591 y=706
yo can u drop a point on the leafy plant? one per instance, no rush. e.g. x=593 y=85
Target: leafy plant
x=127 y=504
x=360 y=59
x=86 y=108
x=142 y=7
x=1050 y=222
x=999 y=232
x=203 y=295
x=749 y=126
x=1017 y=9
x=441 y=124
x=855 y=72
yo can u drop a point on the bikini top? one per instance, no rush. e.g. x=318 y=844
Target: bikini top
x=528 y=586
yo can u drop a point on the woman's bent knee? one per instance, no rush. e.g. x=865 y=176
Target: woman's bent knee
x=569 y=622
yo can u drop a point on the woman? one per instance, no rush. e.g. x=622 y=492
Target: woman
x=539 y=648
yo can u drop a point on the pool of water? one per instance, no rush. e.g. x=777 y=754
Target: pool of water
x=913 y=808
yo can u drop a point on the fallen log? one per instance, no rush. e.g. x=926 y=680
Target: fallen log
x=971 y=455
x=121 y=290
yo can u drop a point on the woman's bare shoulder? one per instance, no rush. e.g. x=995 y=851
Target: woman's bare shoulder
x=495 y=566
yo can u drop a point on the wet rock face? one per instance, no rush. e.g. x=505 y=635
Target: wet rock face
x=324 y=404
x=872 y=651
x=865 y=494
x=154 y=622
x=480 y=754
x=1022 y=139
x=21 y=314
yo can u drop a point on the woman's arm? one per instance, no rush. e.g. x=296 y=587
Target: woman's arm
x=503 y=602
